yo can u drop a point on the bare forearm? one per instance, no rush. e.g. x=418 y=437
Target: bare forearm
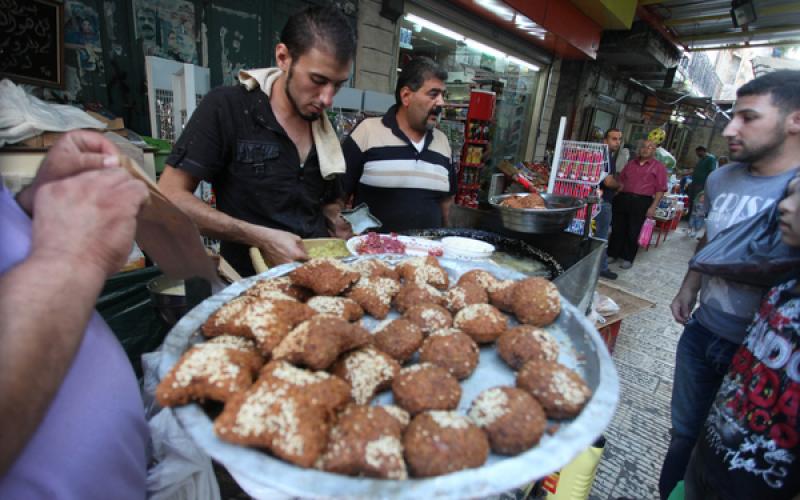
x=693 y=279
x=446 y=204
x=211 y=222
x=45 y=305
x=656 y=200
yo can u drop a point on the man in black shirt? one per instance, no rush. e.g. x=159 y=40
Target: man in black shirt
x=613 y=139
x=267 y=147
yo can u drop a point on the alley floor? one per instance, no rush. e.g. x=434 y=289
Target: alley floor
x=645 y=359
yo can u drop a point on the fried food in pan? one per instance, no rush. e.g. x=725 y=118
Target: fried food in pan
x=536 y=301
x=440 y=442
x=288 y=411
x=324 y=276
x=368 y=371
x=429 y=317
x=317 y=342
x=451 y=349
x=512 y=419
x=341 y=307
x=366 y=441
x=399 y=338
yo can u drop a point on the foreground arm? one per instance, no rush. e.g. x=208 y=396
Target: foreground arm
x=82 y=232
x=278 y=246
x=683 y=303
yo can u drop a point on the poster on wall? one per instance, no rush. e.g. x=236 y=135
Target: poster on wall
x=166 y=28
x=236 y=36
x=82 y=34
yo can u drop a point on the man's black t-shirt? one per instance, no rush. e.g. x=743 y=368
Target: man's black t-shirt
x=234 y=141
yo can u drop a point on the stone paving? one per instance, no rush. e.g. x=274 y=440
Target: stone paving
x=645 y=359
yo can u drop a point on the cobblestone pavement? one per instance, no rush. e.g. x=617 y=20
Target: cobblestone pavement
x=645 y=359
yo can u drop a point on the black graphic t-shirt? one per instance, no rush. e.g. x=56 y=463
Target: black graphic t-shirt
x=751 y=441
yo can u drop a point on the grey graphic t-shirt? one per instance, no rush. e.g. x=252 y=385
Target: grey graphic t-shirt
x=733 y=194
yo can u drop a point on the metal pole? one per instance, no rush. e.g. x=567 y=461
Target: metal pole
x=562 y=124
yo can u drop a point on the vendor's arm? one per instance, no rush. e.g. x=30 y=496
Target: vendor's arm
x=278 y=246
x=446 y=204
x=82 y=232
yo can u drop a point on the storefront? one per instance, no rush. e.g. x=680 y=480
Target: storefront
x=479 y=58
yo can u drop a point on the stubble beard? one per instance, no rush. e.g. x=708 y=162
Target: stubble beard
x=751 y=156
x=309 y=117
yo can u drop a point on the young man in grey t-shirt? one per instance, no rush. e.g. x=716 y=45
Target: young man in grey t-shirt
x=764 y=137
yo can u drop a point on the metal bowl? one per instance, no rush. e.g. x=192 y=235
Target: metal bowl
x=556 y=217
x=167 y=299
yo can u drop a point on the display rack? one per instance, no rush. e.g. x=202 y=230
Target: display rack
x=577 y=171
x=477 y=134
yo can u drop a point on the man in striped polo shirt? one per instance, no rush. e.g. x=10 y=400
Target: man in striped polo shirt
x=399 y=164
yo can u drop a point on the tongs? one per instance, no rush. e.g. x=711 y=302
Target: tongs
x=510 y=170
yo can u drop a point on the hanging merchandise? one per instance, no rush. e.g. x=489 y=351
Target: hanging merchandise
x=578 y=171
x=477 y=134
x=657 y=135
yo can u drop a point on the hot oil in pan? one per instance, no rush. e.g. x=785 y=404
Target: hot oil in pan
x=525 y=265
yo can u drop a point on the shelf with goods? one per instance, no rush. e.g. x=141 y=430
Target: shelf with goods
x=577 y=171
x=477 y=137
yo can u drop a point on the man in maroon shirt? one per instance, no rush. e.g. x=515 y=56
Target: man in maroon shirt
x=644 y=182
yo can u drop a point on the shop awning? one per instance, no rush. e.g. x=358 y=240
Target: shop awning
x=557 y=26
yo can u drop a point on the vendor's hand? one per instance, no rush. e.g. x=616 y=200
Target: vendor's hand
x=88 y=219
x=651 y=212
x=280 y=247
x=683 y=304
x=76 y=152
x=338 y=227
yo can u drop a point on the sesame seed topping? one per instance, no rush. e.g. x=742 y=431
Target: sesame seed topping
x=570 y=391
x=489 y=406
x=386 y=451
x=327 y=305
x=398 y=413
x=297 y=376
x=366 y=370
x=449 y=419
x=211 y=362
x=269 y=410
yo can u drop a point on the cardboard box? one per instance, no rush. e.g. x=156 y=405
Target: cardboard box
x=115 y=124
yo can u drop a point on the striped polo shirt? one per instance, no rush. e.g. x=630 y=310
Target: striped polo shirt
x=402 y=186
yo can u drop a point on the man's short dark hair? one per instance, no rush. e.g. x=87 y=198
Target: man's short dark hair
x=325 y=28
x=612 y=129
x=414 y=74
x=783 y=87
x=700 y=148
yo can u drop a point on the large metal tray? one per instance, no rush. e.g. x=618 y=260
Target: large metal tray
x=581 y=349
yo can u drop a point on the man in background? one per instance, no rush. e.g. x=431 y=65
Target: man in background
x=268 y=149
x=643 y=183
x=764 y=138
x=705 y=165
x=400 y=164
x=609 y=186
